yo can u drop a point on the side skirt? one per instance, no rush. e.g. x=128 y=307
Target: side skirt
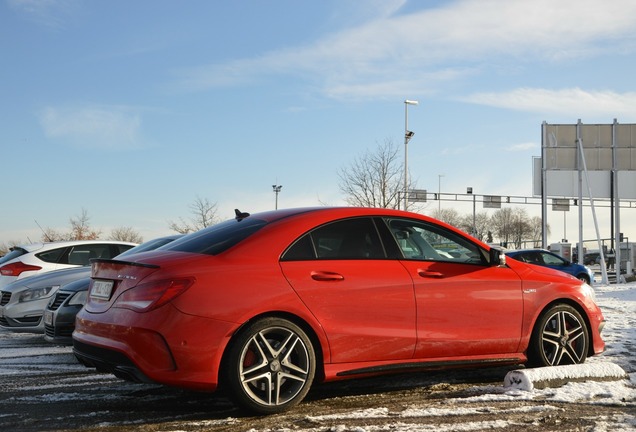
x=434 y=365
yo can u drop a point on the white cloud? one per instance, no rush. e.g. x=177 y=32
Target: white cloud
x=469 y=35
x=50 y=13
x=523 y=147
x=573 y=103
x=113 y=128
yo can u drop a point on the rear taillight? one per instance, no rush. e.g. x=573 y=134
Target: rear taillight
x=14 y=269
x=151 y=295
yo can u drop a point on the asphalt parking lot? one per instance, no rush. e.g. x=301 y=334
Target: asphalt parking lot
x=43 y=388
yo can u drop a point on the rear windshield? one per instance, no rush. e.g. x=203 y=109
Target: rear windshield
x=217 y=238
x=15 y=252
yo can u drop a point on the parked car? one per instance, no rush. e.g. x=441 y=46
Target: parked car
x=60 y=312
x=264 y=305
x=22 y=301
x=36 y=258
x=551 y=260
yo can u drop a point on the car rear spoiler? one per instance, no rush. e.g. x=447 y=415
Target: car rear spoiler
x=114 y=261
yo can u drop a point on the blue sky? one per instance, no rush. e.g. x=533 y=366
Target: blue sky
x=133 y=109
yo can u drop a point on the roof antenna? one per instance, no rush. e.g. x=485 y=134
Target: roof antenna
x=240 y=215
x=46 y=236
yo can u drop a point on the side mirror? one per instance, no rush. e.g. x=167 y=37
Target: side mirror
x=497 y=257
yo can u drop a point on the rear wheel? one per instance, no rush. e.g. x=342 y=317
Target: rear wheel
x=271 y=365
x=560 y=337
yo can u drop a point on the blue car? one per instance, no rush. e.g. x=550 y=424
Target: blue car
x=546 y=258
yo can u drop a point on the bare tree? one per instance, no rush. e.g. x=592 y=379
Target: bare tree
x=51 y=235
x=448 y=215
x=514 y=227
x=127 y=234
x=520 y=228
x=501 y=222
x=80 y=228
x=481 y=222
x=374 y=179
x=204 y=215
x=535 y=230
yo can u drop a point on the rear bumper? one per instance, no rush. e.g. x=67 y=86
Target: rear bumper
x=163 y=346
x=105 y=360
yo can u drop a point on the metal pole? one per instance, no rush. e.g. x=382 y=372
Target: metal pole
x=617 y=203
x=579 y=168
x=474 y=216
x=407 y=136
x=277 y=189
x=406 y=153
x=544 y=186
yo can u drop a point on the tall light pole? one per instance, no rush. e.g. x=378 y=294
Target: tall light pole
x=469 y=191
x=407 y=137
x=277 y=189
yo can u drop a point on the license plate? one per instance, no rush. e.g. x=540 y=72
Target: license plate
x=48 y=317
x=101 y=289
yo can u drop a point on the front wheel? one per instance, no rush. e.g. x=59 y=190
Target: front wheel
x=560 y=337
x=271 y=365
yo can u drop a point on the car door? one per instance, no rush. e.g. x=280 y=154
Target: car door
x=364 y=301
x=465 y=306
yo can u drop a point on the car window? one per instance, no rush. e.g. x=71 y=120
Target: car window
x=53 y=255
x=120 y=248
x=217 y=238
x=550 y=259
x=426 y=241
x=530 y=257
x=352 y=239
x=82 y=254
x=147 y=246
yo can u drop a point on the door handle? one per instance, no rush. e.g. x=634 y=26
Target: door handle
x=430 y=274
x=324 y=276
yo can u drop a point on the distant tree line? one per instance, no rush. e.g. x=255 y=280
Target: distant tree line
x=510 y=226
x=203 y=211
x=375 y=179
x=80 y=229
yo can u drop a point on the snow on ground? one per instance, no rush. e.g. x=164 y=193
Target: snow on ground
x=618 y=303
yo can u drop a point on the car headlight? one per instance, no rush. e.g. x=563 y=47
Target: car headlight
x=37 y=293
x=78 y=299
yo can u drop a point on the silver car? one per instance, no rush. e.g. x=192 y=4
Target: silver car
x=22 y=302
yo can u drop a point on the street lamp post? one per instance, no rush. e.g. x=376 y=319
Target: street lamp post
x=469 y=190
x=407 y=137
x=277 y=189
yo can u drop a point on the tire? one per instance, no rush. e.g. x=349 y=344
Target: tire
x=560 y=337
x=270 y=366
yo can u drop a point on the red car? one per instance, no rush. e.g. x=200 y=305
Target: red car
x=262 y=305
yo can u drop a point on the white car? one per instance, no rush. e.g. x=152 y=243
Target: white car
x=35 y=272
x=36 y=258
